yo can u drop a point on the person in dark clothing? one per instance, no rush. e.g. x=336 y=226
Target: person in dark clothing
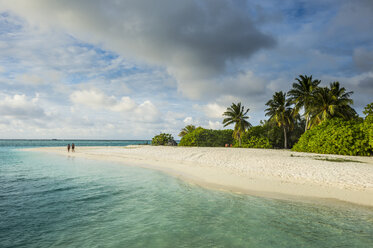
x=68 y=147
x=73 y=147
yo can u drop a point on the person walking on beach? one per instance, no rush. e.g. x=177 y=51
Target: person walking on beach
x=73 y=147
x=68 y=147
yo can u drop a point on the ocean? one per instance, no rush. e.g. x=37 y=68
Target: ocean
x=59 y=201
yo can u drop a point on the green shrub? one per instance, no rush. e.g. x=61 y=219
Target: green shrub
x=255 y=137
x=337 y=136
x=162 y=139
x=275 y=134
x=368 y=128
x=368 y=110
x=207 y=137
x=368 y=123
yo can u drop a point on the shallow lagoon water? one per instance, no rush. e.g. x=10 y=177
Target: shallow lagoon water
x=56 y=201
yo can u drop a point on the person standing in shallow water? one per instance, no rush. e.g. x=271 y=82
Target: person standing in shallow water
x=68 y=147
x=73 y=147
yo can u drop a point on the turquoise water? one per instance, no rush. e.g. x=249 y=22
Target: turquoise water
x=39 y=143
x=56 y=201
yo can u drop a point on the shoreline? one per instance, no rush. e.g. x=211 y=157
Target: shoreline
x=262 y=172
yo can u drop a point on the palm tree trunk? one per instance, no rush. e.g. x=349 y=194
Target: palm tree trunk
x=285 y=139
x=307 y=120
x=239 y=139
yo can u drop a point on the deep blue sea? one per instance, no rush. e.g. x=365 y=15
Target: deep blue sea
x=59 y=201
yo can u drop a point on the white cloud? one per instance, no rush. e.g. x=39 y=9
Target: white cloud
x=19 y=106
x=147 y=112
x=123 y=105
x=188 y=120
x=96 y=99
x=31 y=79
x=212 y=110
x=215 y=125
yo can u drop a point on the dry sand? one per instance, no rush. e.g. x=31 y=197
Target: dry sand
x=273 y=173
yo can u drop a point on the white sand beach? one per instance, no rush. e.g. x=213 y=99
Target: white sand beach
x=273 y=173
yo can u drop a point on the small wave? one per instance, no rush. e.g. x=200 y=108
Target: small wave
x=95 y=197
x=27 y=179
x=60 y=189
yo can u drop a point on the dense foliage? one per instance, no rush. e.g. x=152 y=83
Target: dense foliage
x=368 y=111
x=338 y=136
x=308 y=118
x=255 y=137
x=207 y=137
x=368 y=126
x=275 y=134
x=328 y=103
x=280 y=112
x=302 y=94
x=187 y=129
x=268 y=131
x=162 y=139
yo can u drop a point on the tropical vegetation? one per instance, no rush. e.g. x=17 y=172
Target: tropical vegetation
x=328 y=103
x=301 y=95
x=279 y=111
x=207 y=137
x=187 y=129
x=307 y=118
x=162 y=139
x=237 y=115
x=255 y=137
x=338 y=136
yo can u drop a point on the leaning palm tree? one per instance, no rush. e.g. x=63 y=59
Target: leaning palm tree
x=331 y=102
x=302 y=94
x=279 y=111
x=236 y=114
x=187 y=129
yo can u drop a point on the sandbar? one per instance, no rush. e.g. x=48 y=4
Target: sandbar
x=265 y=172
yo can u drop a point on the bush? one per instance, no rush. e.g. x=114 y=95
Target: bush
x=368 y=123
x=368 y=128
x=275 y=134
x=207 y=137
x=162 y=139
x=337 y=136
x=255 y=137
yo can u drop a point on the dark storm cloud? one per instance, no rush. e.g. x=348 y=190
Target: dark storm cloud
x=364 y=59
x=366 y=85
x=193 y=40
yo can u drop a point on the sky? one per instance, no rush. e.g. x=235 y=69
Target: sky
x=131 y=69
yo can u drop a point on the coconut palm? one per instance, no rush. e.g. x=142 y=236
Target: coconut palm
x=187 y=129
x=281 y=113
x=331 y=102
x=302 y=93
x=237 y=115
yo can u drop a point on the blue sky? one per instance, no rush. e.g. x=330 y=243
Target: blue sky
x=131 y=69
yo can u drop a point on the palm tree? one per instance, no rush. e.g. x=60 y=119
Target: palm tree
x=279 y=111
x=236 y=114
x=187 y=129
x=302 y=93
x=331 y=102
